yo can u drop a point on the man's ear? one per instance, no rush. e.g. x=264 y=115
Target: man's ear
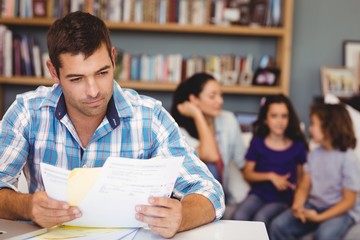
x=52 y=71
x=113 y=56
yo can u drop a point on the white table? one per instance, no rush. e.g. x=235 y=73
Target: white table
x=220 y=230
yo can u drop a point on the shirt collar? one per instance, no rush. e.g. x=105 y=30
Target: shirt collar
x=118 y=107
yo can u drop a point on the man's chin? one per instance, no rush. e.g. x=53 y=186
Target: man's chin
x=92 y=112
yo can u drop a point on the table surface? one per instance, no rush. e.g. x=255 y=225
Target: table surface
x=220 y=230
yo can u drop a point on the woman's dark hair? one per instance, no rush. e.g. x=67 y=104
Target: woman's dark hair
x=77 y=32
x=336 y=124
x=292 y=131
x=193 y=85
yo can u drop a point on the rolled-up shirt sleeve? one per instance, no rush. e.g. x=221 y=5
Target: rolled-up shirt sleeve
x=13 y=145
x=194 y=177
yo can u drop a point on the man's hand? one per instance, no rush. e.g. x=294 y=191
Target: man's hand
x=48 y=212
x=164 y=215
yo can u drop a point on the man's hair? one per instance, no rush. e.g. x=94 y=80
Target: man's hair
x=76 y=33
x=336 y=124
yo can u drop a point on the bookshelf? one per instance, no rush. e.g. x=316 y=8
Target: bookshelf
x=283 y=36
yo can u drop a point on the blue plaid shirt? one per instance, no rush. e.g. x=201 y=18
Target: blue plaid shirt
x=36 y=128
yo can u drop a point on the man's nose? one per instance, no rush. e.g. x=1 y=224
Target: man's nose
x=92 y=88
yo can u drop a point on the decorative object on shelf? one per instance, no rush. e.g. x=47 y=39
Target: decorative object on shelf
x=259 y=12
x=244 y=13
x=266 y=76
x=351 y=56
x=39 y=8
x=339 y=81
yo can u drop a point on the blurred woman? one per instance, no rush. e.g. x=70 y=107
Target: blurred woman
x=213 y=132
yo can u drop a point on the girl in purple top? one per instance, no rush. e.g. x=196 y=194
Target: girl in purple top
x=326 y=200
x=273 y=161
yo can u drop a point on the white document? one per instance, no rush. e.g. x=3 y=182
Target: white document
x=55 y=181
x=107 y=196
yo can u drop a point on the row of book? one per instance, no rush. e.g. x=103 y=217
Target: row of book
x=20 y=55
x=196 y=12
x=174 y=68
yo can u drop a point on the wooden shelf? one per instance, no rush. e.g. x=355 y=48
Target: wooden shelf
x=146 y=86
x=169 y=27
x=29 y=81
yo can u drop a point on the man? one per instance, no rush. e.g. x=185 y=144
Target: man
x=86 y=117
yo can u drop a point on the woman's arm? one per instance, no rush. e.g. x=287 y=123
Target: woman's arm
x=207 y=148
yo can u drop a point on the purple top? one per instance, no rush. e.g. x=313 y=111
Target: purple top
x=281 y=162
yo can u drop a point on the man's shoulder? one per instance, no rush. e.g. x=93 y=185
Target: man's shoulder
x=137 y=100
x=39 y=94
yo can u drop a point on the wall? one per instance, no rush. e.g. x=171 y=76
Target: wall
x=320 y=26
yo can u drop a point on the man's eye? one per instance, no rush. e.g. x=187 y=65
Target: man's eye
x=75 y=79
x=103 y=73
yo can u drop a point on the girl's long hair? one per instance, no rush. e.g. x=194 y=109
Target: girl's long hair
x=293 y=130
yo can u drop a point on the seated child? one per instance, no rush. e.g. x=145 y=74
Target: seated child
x=326 y=200
x=273 y=162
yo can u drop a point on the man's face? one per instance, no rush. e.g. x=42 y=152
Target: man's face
x=87 y=84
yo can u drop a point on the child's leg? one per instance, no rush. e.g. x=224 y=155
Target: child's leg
x=246 y=209
x=287 y=227
x=334 y=228
x=268 y=212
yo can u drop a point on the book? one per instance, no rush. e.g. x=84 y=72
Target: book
x=18 y=64
x=36 y=56
x=8 y=56
x=3 y=29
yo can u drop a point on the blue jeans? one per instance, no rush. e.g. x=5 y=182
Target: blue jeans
x=253 y=208
x=287 y=227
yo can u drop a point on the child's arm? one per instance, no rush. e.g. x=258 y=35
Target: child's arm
x=345 y=204
x=301 y=194
x=280 y=181
x=299 y=173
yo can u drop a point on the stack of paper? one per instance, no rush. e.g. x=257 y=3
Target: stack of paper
x=107 y=196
